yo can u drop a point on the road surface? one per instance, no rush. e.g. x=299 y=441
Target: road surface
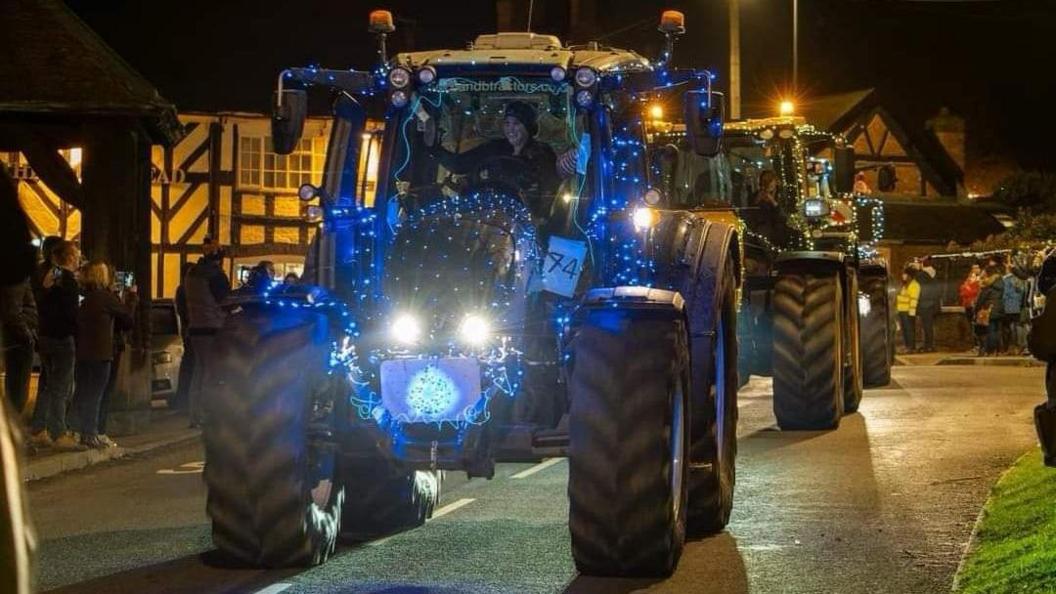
x=883 y=504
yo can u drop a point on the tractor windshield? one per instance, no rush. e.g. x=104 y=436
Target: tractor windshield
x=520 y=136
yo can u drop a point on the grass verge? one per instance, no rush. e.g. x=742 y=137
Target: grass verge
x=1015 y=546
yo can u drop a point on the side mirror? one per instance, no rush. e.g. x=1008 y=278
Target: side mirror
x=843 y=178
x=704 y=114
x=290 y=109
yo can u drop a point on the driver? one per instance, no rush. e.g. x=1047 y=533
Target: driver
x=519 y=128
x=766 y=217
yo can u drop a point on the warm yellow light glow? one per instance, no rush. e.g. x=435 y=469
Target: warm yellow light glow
x=75 y=157
x=645 y=218
x=656 y=111
x=787 y=108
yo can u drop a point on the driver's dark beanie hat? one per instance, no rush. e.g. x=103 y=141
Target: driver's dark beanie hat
x=525 y=114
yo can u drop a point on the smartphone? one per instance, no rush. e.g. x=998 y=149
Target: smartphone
x=123 y=280
x=56 y=273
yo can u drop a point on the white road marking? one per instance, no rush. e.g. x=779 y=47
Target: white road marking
x=443 y=511
x=540 y=466
x=188 y=468
x=450 y=507
x=274 y=588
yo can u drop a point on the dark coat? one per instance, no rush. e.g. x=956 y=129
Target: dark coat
x=992 y=295
x=18 y=313
x=930 y=297
x=539 y=159
x=100 y=312
x=57 y=307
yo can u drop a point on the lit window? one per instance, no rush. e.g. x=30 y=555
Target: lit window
x=260 y=167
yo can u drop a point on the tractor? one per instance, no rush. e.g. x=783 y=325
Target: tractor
x=517 y=286
x=815 y=312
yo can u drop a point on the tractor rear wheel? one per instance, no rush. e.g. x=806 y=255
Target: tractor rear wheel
x=628 y=432
x=808 y=351
x=876 y=334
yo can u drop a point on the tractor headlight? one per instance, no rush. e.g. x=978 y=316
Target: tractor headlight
x=427 y=75
x=814 y=208
x=644 y=218
x=399 y=78
x=474 y=330
x=586 y=77
x=406 y=329
x=399 y=98
x=584 y=98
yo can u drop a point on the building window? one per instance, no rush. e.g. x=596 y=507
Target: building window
x=260 y=167
x=249 y=159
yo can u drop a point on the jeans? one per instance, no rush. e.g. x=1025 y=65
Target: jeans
x=18 y=365
x=993 y=335
x=56 y=361
x=927 y=321
x=111 y=381
x=202 y=345
x=91 y=383
x=909 y=330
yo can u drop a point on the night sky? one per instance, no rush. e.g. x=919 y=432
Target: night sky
x=989 y=61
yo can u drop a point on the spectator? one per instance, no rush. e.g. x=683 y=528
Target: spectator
x=58 y=326
x=183 y=383
x=969 y=292
x=206 y=287
x=990 y=309
x=18 y=314
x=259 y=279
x=291 y=278
x=47 y=252
x=1042 y=340
x=17 y=536
x=120 y=337
x=929 y=304
x=906 y=304
x=96 y=319
x=1014 y=290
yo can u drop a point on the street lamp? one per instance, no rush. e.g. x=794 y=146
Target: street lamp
x=735 y=59
x=795 y=47
x=735 y=55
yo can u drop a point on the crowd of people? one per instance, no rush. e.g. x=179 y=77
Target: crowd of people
x=71 y=314
x=997 y=295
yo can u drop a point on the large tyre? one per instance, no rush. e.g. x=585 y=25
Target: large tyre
x=712 y=474
x=876 y=334
x=852 y=362
x=808 y=354
x=274 y=499
x=384 y=501
x=628 y=435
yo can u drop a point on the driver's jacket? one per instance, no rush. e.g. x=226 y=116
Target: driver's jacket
x=538 y=181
